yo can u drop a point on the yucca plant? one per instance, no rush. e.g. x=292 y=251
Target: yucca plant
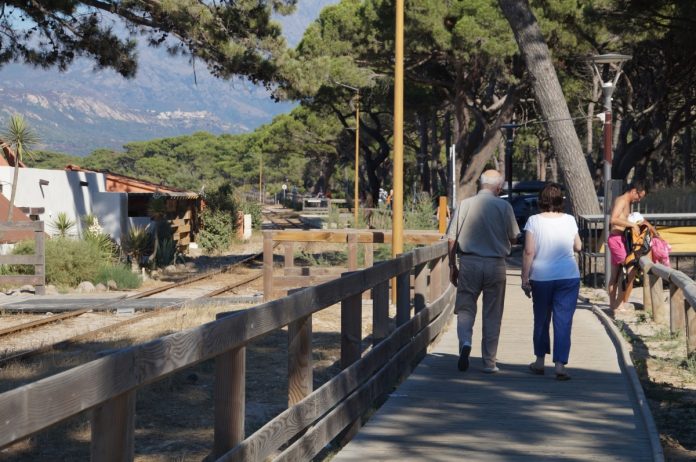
x=62 y=225
x=18 y=136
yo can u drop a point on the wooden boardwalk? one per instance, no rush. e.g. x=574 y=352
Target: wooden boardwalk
x=441 y=414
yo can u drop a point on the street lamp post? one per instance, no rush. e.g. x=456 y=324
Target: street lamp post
x=614 y=62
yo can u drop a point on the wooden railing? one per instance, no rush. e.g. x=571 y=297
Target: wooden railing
x=38 y=259
x=292 y=276
x=679 y=312
x=107 y=386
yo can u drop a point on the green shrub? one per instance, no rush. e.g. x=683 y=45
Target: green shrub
x=421 y=214
x=166 y=252
x=217 y=232
x=120 y=274
x=253 y=209
x=68 y=261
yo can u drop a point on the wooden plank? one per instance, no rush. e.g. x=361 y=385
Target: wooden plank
x=267 y=266
x=677 y=309
x=23 y=279
x=293 y=282
x=300 y=378
x=229 y=399
x=21 y=225
x=315 y=271
x=113 y=429
x=21 y=260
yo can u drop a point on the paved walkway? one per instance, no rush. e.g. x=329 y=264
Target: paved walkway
x=441 y=414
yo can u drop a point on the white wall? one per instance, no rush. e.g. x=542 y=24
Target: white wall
x=64 y=193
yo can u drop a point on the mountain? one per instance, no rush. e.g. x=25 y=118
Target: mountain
x=81 y=109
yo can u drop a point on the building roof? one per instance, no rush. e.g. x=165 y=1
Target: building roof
x=123 y=183
x=9 y=156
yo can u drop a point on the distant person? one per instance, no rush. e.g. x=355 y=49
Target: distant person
x=550 y=271
x=618 y=223
x=481 y=233
x=390 y=198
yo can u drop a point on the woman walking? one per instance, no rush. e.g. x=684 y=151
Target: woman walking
x=549 y=268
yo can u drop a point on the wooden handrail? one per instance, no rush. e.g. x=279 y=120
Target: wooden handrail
x=680 y=314
x=107 y=385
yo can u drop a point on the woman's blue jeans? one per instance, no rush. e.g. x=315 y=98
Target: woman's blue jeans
x=555 y=300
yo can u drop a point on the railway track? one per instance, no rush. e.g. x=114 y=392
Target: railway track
x=114 y=305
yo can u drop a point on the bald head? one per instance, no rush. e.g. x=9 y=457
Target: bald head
x=492 y=180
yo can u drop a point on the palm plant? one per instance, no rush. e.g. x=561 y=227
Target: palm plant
x=20 y=137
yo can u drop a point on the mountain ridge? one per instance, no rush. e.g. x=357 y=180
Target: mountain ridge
x=80 y=110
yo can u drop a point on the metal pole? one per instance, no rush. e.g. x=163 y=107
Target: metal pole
x=398 y=200
x=260 y=178
x=607 y=90
x=453 y=153
x=509 y=140
x=357 y=158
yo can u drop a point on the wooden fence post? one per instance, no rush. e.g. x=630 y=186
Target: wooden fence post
x=380 y=312
x=352 y=251
x=300 y=376
x=677 y=309
x=420 y=287
x=435 y=280
x=113 y=429
x=647 y=296
x=351 y=330
x=369 y=254
x=690 y=308
x=39 y=251
x=229 y=396
x=658 y=302
x=267 y=265
x=403 y=298
x=289 y=258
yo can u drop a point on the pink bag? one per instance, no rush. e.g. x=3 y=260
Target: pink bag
x=660 y=251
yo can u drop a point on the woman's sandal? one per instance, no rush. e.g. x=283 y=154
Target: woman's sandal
x=536 y=370
x=562 y=376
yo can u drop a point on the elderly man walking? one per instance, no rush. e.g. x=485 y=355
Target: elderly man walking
x=481 y=233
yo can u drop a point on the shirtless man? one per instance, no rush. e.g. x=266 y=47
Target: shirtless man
x=619 y=222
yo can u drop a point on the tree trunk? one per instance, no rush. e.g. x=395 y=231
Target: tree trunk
x=15 y=177
x=554 y=108
x=686 y=156
x=491 y=140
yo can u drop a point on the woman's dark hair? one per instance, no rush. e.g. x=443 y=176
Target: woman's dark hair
x=551 y=198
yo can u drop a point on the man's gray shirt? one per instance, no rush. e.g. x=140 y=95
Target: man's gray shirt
x=485 y=224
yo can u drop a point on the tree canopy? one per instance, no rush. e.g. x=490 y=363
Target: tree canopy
x=230 y=37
